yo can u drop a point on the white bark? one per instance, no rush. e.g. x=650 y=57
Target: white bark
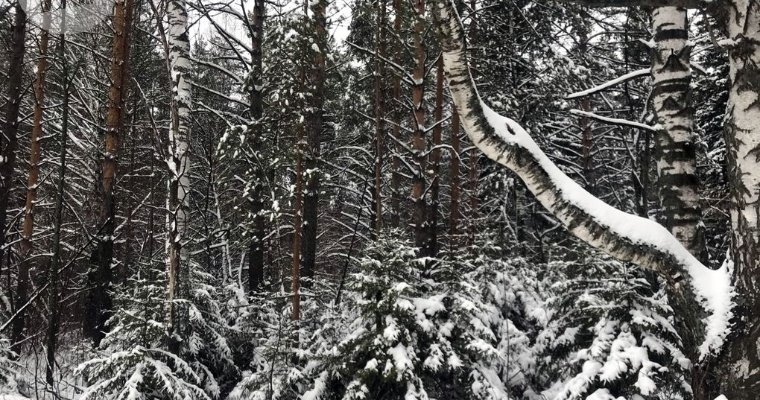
x=178 y=157
x=674 y=142
x=624 y=236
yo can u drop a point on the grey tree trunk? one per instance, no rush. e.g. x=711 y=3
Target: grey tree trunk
x=9 y=139
x=256 y=247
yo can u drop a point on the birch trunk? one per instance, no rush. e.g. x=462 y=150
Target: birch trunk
x=624 y=236
x=179 y=165
x=674 y=145
x=739 y=376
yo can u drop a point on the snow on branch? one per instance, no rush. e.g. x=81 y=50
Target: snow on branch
x=614 y=121
x=624 y=236
x=608 y=84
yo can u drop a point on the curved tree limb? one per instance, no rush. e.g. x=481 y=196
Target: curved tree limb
x=624 y=236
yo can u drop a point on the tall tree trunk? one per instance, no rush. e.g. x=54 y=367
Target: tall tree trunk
x=419 y=142
x=473 y=172
x=454 y=172
x=55 y=262
x=9 y=140
x=314 y=125
x=435 y=158
x=22 y=288
x=676 y=156
x=739 y=375
x=676 y=152
x=99 y=302
x=256 y=247
x=377 y=193
x=396 y=201
x=179 y=168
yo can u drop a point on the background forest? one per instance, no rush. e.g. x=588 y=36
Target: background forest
x=274 y=200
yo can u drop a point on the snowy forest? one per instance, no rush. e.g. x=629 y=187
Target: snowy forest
x=379 y=199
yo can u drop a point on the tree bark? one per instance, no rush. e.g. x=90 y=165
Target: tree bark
x=435 y=159
x=9 y=138
x=179 y=167
x=396 y=95
x=739 y=369
x=256 y=247
x=473 y=172
x=419 y=142
x=674 y=146
x=314 y=126
x=53 y=272
x=22 y=285
x=379 y=142
x=454 y=177
x=99 y=302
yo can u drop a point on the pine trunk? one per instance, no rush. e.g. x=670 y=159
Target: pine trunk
x=24 y=268
x=256 y=249
x=379 y=143
x=55 y=263
x=419 y=142
x=397 y=114
x=100 y=277
x=435 y=159
x=454 y=171
x=9 y=139
x=314 y=125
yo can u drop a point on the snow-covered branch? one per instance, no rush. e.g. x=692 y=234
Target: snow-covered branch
x=622 y=235
x=614 y=121
x=611 y=83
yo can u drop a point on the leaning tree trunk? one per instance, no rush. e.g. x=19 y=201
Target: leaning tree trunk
x=739 y=369
x=9 y=139
x=99 y=302
x=256 y=247
x=314 y=125
x=22 y=287
x=624 y=236
x=179 y=168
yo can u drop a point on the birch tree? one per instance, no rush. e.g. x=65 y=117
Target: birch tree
x=178 y=161
x=624 y=236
